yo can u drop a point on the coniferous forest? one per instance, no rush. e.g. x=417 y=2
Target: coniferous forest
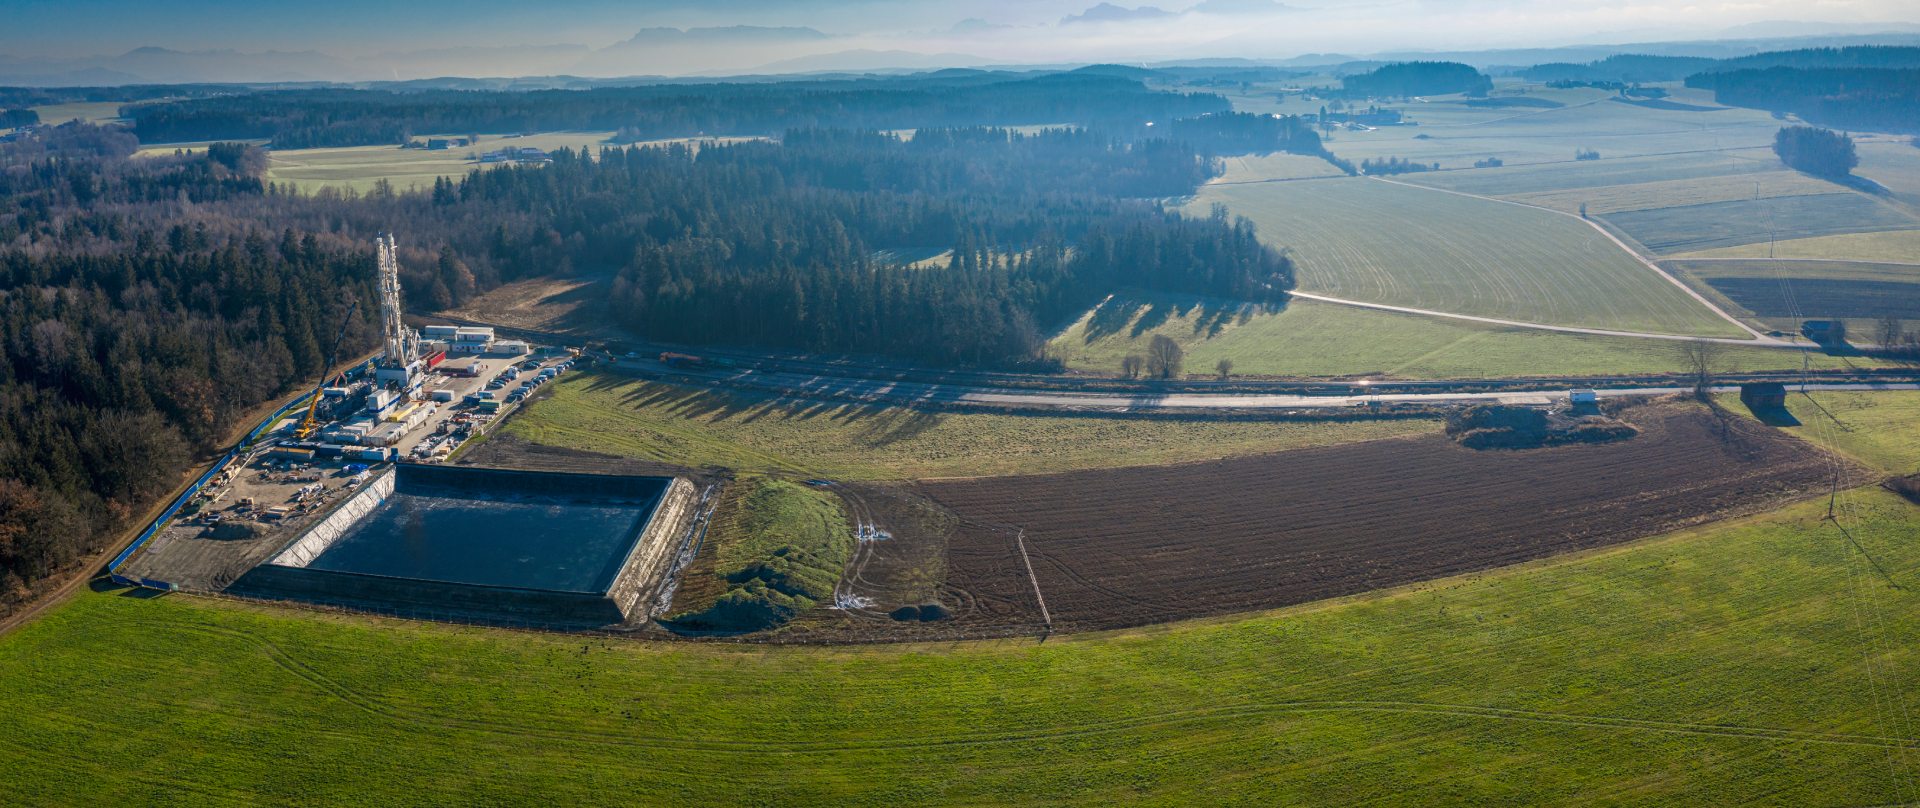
x=308 y=118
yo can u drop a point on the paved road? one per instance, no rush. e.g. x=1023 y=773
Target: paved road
x=853 y=390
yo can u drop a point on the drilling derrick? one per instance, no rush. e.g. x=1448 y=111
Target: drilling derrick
x=402 y=346
x=399 y=367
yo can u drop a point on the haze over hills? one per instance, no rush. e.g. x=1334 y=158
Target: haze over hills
x=661 y=54
x=680 y=39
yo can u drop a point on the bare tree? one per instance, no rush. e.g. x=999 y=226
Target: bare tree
x=1224 y=368
x=1890 y=333
x=1164 y=357
x=1131 y=365
x=1702 y=362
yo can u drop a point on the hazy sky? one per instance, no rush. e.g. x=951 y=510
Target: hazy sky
x=1005 y=30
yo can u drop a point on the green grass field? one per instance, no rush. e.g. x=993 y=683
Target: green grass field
x=1276 y=166
x=360 y=167
x=1456 y=135
x=1374 y=241
x=1310 y=338
x=1767 y=293
x=84 y=111
x=1513 y=180
x=653 y=421
x=1766 y=661
x=1894 y=163
x=1607 y=199
x=1692 y=228
x=1894 y=246
x=1877 y=429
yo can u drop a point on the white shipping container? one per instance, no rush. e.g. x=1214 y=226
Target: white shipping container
x=386 y=435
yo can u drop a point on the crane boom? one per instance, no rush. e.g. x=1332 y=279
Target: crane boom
x=307 y=426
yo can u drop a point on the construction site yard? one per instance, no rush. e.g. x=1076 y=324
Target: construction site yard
x=253 y=508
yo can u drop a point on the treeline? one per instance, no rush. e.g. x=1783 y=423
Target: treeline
x=129 y=348
x=1635 y=68
x=1397 y=165
x=1618 y=70
x=1849 y=98
x=44 y=96
x=10 y=118
x=987 y=306
x=1229 y=133
x=119 y=368
x=1820 y=152
x=342 y=117
x=1403 y=79
x=1039 y=226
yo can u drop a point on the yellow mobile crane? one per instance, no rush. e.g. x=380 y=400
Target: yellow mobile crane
x=307 y=426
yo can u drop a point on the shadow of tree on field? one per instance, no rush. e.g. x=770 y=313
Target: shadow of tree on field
x=1110 y=316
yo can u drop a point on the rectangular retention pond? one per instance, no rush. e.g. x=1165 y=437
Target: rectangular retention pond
x=484 y=544
x=475 y=538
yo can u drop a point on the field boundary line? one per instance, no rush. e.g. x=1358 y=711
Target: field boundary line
x=1020 y=541
x=1643 y=259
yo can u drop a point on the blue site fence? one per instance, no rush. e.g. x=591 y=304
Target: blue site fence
x=113 y=567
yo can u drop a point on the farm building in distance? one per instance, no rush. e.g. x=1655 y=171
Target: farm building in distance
x=1825 y=332
x=1763 y=395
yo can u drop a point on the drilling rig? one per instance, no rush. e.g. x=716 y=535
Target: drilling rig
x=399 y=366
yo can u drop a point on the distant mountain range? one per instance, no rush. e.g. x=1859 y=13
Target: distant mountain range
x=665 y=51
x=654 y=53
x=152 y=65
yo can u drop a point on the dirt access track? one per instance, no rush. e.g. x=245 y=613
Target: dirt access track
x=1132 y=546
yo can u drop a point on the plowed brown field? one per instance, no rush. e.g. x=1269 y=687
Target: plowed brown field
x=1123 y=547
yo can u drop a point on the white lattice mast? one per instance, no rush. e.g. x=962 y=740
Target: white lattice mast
x=401 y=347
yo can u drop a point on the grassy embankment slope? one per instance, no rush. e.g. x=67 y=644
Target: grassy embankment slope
x=1761 y=661
x=778 y=549
x=688 y=426
x=1309 y=338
